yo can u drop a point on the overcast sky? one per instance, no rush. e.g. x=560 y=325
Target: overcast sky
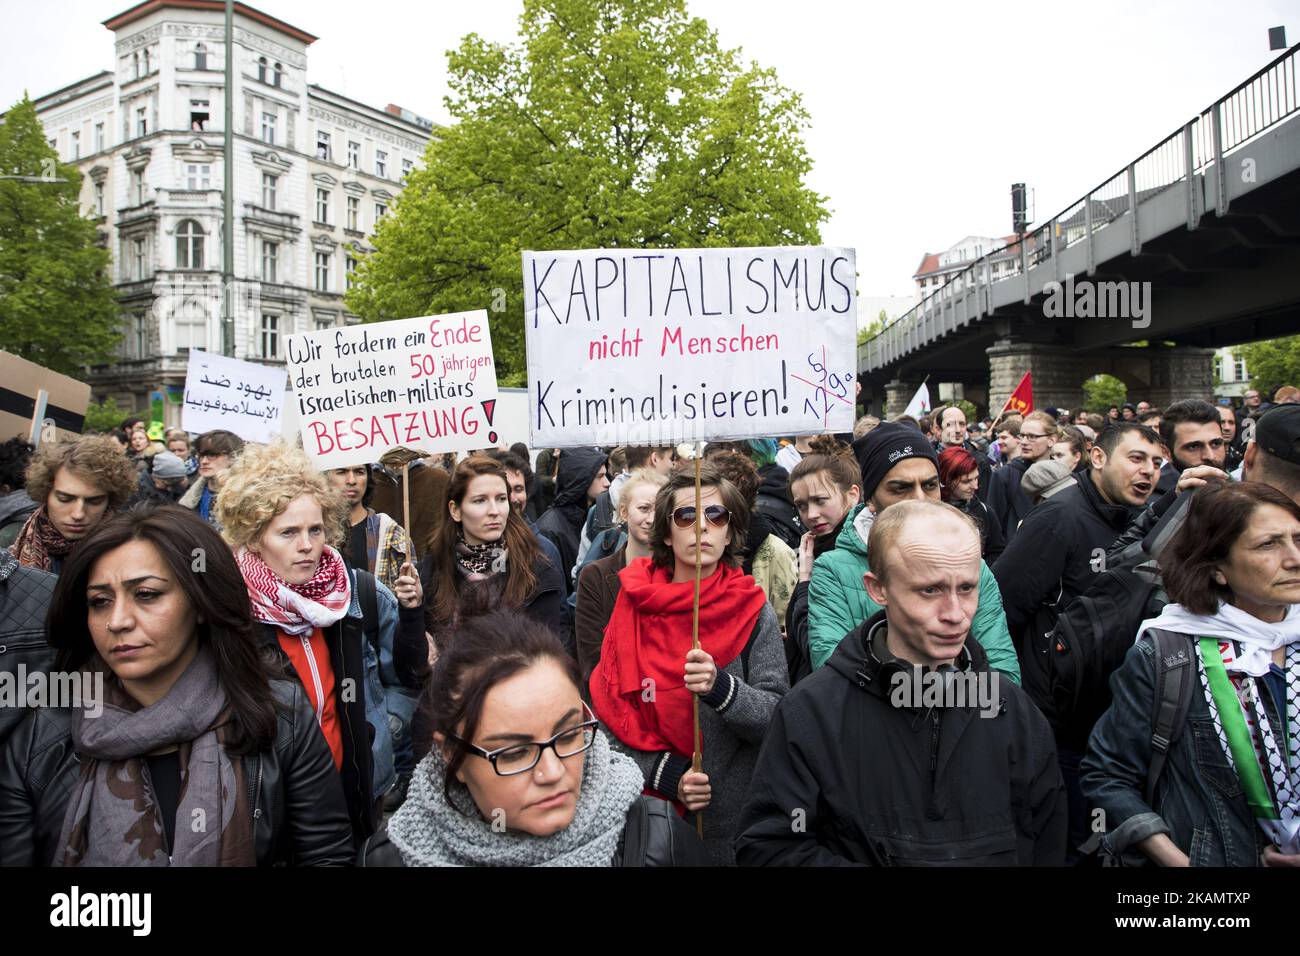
x=923 y=114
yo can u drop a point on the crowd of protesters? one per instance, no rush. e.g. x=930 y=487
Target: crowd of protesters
x=935 y=641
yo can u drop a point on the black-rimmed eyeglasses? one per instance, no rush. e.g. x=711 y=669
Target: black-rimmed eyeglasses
x=520 y=758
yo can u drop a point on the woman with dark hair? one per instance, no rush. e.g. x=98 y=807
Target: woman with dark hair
x=959 y=480
x=827 y=488
x=1229 y=794
x=648 y=674
x=519 y=774
x=488 y=544
x=190 y=725
x=215 y=451
x=343 y=635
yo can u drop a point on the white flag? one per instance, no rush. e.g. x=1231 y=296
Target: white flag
x=920 y=403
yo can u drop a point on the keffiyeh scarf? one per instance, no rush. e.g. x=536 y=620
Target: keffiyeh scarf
x=297 y=609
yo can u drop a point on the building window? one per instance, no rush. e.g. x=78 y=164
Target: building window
x=261 y=69
x=268 y=128
x=269 y=182
x=380 y=211
x=191 y=326
x=135 y=65
x=198 y=176
x=141 y=335
x=406 y=169
x=324 y=324
x=137 y=259
x=137 y=186
x=354 y=210
x=323 y=260
x=277 y=75
x=323 y=206
x=199 y=115
x=141 y=121
x=354 y=155
x=99 y=199
x=1239 y=368
x=381 y=164
x=322 y=145
x=76 y=144
x=351 y=265
x=189 y=245
x=147 y=71
x=270 y=260
x=270 y=336
x=99 y=137
x=200 y=56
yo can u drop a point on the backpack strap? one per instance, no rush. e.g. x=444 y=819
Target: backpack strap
x=1175 y=676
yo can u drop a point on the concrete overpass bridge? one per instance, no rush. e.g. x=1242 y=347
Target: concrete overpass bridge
x=1193 y=245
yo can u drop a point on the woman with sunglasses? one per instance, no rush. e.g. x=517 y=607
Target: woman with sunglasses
x=519 y=773
x=649 y=676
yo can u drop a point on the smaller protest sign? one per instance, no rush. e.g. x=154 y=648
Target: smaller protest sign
x=242 y=397
x=39 y=404
x=427 y=383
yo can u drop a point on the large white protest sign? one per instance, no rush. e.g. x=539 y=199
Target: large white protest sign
x=428 y=383
x=648 y=347
x=241 y=397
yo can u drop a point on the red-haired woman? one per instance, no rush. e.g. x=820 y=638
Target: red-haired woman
x=959 y=480
x=488 y=544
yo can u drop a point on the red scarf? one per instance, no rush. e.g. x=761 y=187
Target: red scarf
x=648 y=637
x=297 y=608
x=39 y=542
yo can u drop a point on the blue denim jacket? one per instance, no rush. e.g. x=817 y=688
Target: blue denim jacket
x=389 y=705
x=1199 y=801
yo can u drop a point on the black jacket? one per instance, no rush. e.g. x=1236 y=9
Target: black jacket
x=24 y=600
x=1057 y=552
x=992 y=539
x=562 y=522
x=773 y=501
x=846 y=777
x=654 y=835
x=299 y=817
x=1006 y=499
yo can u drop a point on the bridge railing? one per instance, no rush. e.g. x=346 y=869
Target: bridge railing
x=1198 y=147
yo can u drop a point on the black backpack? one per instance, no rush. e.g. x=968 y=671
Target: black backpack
x=1071 y=654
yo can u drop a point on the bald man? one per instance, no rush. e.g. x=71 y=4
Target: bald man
x=906 y=748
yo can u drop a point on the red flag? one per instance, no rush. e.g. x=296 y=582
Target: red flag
x=1022 y=399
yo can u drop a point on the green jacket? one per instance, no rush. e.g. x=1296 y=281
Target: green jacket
x=838 y=601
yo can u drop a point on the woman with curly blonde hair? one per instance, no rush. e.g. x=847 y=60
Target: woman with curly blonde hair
x=338 y=631
x=76 y=484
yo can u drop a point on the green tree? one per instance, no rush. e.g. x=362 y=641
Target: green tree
x=872 y=328
x=103 y=417
x=1272 y=364
x=612 y=124
x=1102 y=391
x=56 y=303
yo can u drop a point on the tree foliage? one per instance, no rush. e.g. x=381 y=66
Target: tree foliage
x=56 y=301
x=1272 y=364
x=611 y=124
x=1102 y=391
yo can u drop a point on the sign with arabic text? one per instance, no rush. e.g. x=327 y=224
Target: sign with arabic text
x=242 y=397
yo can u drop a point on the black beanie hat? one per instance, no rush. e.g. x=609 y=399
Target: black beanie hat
x=884 y=447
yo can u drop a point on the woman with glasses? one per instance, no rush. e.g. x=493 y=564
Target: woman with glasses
x=487 y=544
x=215 y=451
x=189 y=752
x=1038 y=433
x=649 y=676
x=519 y=773
x=1229 y=790
x=959 y=480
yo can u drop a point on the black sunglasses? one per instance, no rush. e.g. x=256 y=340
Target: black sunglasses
x=716 y=515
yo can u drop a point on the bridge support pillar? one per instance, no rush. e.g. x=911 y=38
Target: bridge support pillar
x=1055 y=370
x=897 y=394
x=1178 y=373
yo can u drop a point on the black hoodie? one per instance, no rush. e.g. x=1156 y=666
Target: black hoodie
x=562 y=522
x=846 y=777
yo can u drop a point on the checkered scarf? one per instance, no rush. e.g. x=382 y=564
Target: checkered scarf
x=297 y=609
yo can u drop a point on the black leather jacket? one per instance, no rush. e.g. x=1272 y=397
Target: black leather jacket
x=654 y=835
x=24 y=600
x=299 y=814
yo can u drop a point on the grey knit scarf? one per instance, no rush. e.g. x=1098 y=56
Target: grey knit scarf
x=429 y=832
